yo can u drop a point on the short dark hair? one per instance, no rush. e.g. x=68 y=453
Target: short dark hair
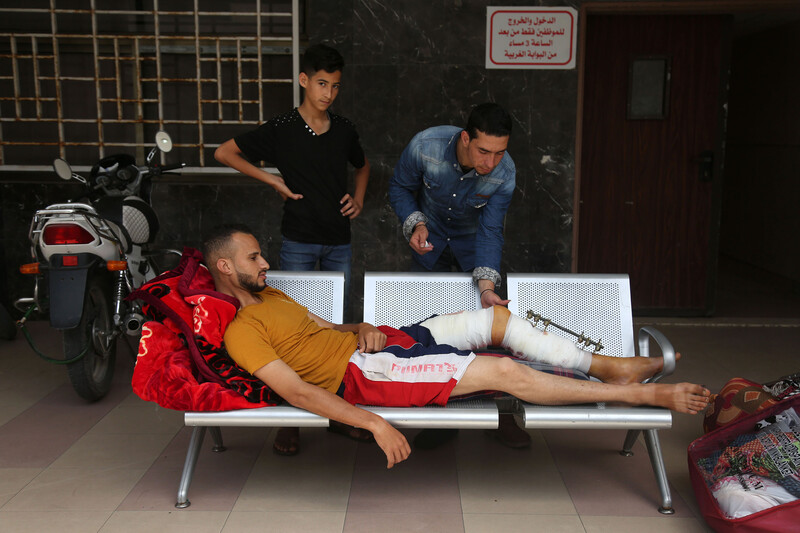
x=490 y=119
x=217 y=240
x=321 y=57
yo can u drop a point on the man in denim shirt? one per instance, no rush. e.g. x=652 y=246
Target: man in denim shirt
x=451 y=189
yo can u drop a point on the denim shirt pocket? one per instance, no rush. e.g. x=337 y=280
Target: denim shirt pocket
x=477 y=201
x=489 y=183
x=430 y=183
x=432 y=178
x=485 y=187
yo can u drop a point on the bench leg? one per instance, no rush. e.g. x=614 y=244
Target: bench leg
x=216 y=435
x=630 y=440
x=656 y=459
x=188 y=466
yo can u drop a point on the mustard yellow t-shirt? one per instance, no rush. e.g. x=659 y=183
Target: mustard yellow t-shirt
x=279 y=328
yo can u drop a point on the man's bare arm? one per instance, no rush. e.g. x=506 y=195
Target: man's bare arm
x=230 y=155
x=285 y=381
x=370 y=338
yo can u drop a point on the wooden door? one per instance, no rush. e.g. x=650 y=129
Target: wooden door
x=650 y=156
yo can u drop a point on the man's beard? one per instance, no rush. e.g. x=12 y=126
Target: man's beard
x=253 y=285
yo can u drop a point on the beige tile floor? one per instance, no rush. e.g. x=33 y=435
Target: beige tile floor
x=114 y=466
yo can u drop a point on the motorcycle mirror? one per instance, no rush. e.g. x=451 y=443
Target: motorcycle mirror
x=163 y=141
x=62 y=169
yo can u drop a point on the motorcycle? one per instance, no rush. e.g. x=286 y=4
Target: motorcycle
x=89 y=254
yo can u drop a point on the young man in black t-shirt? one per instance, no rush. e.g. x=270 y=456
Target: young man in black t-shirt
x=311 y=148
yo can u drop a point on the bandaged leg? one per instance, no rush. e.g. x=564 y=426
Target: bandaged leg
x=472 y=330
x=468 y=330
x=529 y=343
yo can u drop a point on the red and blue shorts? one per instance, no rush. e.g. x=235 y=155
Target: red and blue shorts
x=408 y=372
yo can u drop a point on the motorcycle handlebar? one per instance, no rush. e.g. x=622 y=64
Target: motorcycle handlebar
x=89 y=193
x=122 y=181
x=167 y=168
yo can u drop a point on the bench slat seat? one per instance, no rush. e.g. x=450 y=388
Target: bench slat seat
x=594 y=416
x=472 y=414
x=277 y=416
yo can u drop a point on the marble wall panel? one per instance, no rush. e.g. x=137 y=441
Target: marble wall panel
x=409 y=65
x=418 y=64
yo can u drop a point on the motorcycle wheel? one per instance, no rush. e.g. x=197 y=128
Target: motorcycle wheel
x=91 y=375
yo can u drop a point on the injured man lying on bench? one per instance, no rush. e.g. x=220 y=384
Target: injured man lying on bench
x=329 y=368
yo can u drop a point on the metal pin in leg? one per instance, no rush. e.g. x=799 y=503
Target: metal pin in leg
x=533 y=316
x=583 y=341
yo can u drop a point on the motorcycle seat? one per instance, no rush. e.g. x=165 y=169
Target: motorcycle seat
x=139 y=220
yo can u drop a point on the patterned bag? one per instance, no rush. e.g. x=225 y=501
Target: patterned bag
x=763 y=461
x=737 y=399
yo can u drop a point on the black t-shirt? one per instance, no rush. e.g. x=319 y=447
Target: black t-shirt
x=312 y=165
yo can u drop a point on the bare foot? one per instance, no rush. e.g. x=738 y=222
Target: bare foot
x=682 y=397
x=626 y=370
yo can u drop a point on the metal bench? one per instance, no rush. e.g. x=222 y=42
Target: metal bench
x=397 y=299
x=598 y=306
x=323 y=294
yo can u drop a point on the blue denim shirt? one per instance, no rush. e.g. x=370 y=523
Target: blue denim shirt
x=464 y=211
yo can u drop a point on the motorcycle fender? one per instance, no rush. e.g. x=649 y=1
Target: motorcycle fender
x=67 y=287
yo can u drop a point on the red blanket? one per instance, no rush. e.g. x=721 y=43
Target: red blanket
x=182 y=362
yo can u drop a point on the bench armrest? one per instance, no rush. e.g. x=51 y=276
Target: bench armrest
x=667 y=351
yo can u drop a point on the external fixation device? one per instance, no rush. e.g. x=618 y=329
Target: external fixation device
x=583 y=340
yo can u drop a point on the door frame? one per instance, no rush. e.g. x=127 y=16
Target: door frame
x=690 y=7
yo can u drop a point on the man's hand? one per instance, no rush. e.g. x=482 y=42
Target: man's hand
x=370 y=338
x=350 y=207
x=393 y=444
x=419 y=240
x=229 y=154
x=285 y=381
x=490 y=298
